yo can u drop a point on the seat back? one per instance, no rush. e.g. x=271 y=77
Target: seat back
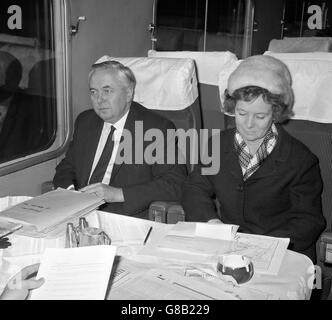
x=318 y=138
x=208 y=66
x=312 y=120
x=312 y=124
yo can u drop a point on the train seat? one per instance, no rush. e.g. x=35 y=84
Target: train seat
x=208 y=65
x=312 y=124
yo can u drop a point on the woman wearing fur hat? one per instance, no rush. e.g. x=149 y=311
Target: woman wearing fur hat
x=268 y=183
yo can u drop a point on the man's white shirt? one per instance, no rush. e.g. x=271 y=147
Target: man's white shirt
x=119 y=125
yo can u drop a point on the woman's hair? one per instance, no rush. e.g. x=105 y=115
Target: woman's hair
x=281 y=111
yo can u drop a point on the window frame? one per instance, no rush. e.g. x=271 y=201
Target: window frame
x=61 y=22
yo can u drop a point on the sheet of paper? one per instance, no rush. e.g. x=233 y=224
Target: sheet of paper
x=75 y=273
x=206 y=230
x=23 y=245
x=183 y=250
x=125 y=229
x=216 y=231
x=125 y=269
x=266 y=253
x=162 y=284
x=183 y=229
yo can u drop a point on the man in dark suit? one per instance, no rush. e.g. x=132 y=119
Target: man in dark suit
x=115 y=130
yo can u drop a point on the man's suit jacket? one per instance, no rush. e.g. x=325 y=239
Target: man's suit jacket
x=141 y=183
x=282 y=198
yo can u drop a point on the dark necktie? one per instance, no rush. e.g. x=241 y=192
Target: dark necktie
x=100 y=169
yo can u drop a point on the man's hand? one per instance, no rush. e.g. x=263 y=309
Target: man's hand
x=19 y=287
x=108 y=193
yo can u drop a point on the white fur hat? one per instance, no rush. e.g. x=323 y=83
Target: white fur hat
x=266 y=72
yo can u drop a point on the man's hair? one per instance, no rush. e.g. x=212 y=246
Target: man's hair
x=122 y=71
x=281 y=111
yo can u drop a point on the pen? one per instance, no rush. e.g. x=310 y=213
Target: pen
x=147 y=236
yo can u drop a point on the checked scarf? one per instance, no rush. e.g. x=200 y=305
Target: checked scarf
x=250 y=163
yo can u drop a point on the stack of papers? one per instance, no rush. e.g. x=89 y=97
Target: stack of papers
x=49 y=212
x=148 y=281
x=75 y=273
x=9 y=201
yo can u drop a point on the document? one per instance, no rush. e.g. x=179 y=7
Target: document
x=75 y=273
x=183 y=245
x=216 y=231
x=124 y=229
x=162 y=284
x=266 y=253
x=150 y=281
x=45 y=212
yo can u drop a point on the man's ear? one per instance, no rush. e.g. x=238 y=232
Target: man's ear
x=130 y=94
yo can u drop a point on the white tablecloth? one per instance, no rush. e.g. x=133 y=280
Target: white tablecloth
x=292 y=282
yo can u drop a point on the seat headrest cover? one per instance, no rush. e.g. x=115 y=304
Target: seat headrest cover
x=162 y=83
x=263 y=71
x=208 y=64
x=312 y=82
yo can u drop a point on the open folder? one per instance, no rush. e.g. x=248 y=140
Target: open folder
x=44 y=213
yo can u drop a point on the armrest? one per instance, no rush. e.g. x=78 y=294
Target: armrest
x=325 y=247
x=166 y=212
x=175 y=214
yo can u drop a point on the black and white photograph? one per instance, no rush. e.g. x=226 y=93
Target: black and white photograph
x=165 y=155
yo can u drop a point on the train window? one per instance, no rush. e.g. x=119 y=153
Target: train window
x=32 y=74
x=201 y=25
x=307 y=18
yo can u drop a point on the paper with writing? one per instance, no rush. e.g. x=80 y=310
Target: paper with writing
x=75 y=273
x=162 y=284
